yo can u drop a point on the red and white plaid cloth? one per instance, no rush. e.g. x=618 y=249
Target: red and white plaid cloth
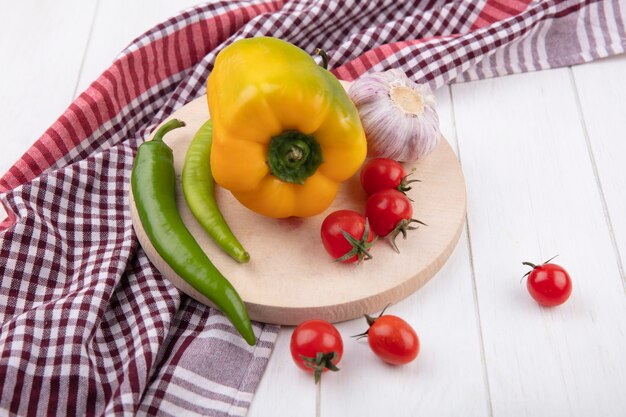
x=89 y=327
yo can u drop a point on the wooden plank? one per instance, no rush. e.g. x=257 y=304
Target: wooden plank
x=449 y=365
x=42 y=45
x=532 y=194
x=117 y=23
x=284 y=390
x=601 y=94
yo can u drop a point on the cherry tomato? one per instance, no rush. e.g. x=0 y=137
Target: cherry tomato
x=316 y=346
x=392 y=339
x=381 y=174
x=549 y=284
x=347 y=237
x=390 y=213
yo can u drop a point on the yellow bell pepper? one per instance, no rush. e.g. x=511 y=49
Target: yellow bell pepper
x=285 y=133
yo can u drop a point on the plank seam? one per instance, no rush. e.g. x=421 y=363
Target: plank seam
x=86 y=48
x=483 y=357
x=592 y=158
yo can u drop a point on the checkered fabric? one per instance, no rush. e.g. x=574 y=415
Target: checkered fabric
x=89 y=327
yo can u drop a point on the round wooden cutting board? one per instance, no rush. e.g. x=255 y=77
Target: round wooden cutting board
x=290 y=277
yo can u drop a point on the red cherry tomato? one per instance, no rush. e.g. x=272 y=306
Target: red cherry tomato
x=381 y=174
x=385 y=209
x=347 y=236
x=392 y=339
x=314 y=337
x=549 y=284
x=389 y=213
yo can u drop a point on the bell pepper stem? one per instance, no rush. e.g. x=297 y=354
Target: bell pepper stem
x=298 y=153
x=293 y=156
x=324 y=55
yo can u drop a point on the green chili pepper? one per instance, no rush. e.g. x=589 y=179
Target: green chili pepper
x=153 y=183
x=198 y=187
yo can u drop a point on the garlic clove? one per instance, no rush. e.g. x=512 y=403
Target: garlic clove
x=398 y=115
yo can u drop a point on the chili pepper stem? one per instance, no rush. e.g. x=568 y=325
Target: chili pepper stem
x=167 y=127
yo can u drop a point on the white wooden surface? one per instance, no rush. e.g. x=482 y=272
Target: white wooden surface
x=544 y=156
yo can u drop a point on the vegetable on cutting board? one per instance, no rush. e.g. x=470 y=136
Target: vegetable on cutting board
x=346 y=236
x=382 y=173
x=286 y=134
x=153 y=182
x=198 y=188
x=390 y=213
x=398 y=115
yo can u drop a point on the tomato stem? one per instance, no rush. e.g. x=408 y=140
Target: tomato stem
x=402 y=227
x=360 y=247
x=370 y=321
x=320 y=362
x=533 y=266
x=550 y=259
x=404 y=185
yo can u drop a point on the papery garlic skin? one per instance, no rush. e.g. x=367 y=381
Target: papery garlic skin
x=398 y=115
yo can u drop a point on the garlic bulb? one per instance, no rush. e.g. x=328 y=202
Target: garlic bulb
x=398 y=115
